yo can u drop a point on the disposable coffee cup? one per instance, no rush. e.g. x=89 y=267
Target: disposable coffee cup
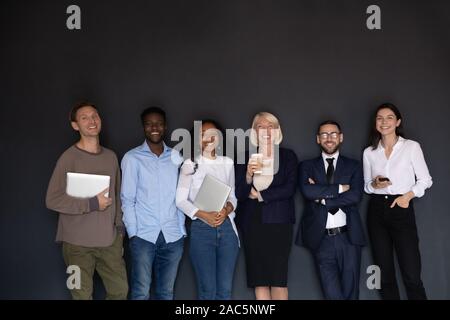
x=258 y=159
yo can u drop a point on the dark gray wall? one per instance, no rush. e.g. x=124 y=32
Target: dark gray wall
x=303 y=60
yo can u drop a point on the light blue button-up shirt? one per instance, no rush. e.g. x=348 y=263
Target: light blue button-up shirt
x=149 y=185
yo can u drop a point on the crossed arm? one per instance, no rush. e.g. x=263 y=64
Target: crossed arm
x=328 y=194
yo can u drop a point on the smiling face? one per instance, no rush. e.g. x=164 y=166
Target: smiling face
x=329 y=138
x=386 y=122
x=265 y=131
x=154 y=127
x=209 y=137
x=87 y=122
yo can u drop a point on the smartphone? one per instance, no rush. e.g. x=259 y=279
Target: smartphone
x=383 y=179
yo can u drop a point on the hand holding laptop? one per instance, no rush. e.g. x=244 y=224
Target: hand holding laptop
x=82 y=185
x=213 y=218
x=208 y=217
x=211 y=200
x=222 y=215
x=103 y=200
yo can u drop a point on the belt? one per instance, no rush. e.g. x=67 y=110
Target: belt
x=390 y=197
x=335 y=231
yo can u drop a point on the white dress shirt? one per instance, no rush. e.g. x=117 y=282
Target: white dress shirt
x=406 y=169
x=189 y=184
x=339 y=219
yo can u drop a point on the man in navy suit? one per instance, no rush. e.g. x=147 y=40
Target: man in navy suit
x=331 y=227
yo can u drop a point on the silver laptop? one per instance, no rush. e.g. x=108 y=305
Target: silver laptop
x=212 y=195
x=82 y=185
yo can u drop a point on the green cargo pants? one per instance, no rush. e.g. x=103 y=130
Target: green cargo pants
x=109 y=264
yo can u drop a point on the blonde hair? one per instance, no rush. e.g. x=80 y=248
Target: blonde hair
x=272 y=119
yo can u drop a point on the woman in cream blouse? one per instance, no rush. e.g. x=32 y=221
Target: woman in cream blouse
x=265 y=186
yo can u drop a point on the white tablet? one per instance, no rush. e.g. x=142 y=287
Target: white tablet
x=82 y=185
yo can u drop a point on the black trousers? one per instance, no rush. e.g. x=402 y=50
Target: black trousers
x=391 y=229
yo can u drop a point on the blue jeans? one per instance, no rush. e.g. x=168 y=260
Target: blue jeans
x=163 y=258
x=213 y=252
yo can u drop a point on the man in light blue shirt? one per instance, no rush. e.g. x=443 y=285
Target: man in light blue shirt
x=154 y=224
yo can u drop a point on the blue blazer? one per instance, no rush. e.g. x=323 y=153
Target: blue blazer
x=314 y=219
x=278 y=205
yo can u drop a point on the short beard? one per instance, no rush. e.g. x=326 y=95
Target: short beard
x=333 y=151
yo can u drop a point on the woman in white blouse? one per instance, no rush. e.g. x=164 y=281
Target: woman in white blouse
x=214 y=243
x=395 y=172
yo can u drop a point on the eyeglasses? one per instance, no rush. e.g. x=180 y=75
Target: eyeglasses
x=332 y=135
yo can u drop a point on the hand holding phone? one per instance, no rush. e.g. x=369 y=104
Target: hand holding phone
x=381 y=182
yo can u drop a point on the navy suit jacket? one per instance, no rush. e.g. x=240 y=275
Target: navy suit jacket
x=314 y=219
x=278 y=205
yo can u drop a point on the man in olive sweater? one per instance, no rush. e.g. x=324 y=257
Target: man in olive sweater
x=91 y=230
